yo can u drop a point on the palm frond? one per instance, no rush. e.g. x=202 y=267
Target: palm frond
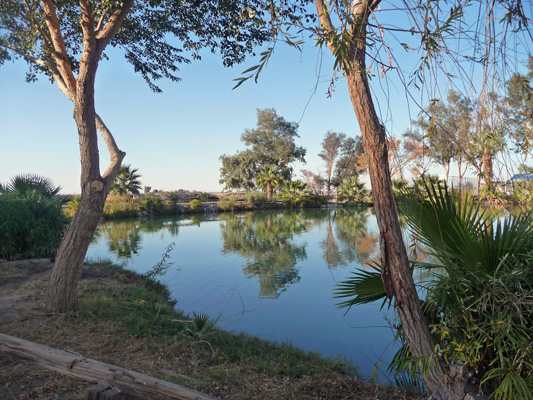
x=362 y=287
x=461 y=235
x=32 y=183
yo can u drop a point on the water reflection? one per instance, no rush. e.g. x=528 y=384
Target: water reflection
x=124 y=237
x=351 y=241
x=291 y=260
x=265 y=241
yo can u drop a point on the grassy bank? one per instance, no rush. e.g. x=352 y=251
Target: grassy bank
x=126 y=320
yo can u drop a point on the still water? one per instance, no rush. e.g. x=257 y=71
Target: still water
x=269 y=274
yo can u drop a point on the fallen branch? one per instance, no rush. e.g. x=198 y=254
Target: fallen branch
x=72 y=364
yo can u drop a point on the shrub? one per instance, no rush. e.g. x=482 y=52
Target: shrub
x=294 y=194
x=207 y=197
x=478 y=302
x=315 y=200
x=255 y=197
x=353 y=191
x=73 y=204
x=196 y=205
x=227 y=204
x=30 y=226
x=152 y=205
x=120 y=206
x=522 y=192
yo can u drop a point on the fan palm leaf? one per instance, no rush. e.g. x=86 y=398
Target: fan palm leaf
x=25 y=184
x=457 y=233
x=363 y=287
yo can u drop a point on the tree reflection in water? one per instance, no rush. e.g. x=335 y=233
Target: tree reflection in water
x=124 y=237
x=352 y=241
x=266 y=241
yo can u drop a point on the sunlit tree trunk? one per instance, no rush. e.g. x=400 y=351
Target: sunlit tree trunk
x=487 y=167
x=270 y=190
x=63 y=287
x=395 y=268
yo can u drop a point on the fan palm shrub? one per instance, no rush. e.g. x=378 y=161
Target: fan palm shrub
x=479 y=295
x=294 y=194
x=353 y=191
x=31 y=221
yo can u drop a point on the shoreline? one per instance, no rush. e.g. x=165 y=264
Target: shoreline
x=149 y=340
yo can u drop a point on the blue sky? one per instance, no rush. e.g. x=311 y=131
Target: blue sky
x=175 y=138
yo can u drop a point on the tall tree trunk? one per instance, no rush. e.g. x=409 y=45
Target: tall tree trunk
x=270 y=190
x=63 y=287
x=460 y=168
x=447 y=170
x=487 y=167
x=395 y=269
x=396 y=272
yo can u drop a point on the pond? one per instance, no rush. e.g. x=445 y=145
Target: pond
x=268 y=273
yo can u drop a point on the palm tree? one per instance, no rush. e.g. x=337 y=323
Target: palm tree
x=269 y=178
x=24 y=185
x=127 y=181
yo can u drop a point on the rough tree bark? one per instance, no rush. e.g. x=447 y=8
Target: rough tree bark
x=487 y=167
x=62 y=290
x=396 y=271
x=270 y=190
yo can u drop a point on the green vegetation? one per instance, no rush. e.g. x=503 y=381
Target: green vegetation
x=120 y=206
x=196 y=205
x=268 y=178
x=151 y=205
x=207 y=197
x=31 y=220
x=227 y=204
x=478 y=296
x=353 y=191
x=294 y=194
x=127 y=181
x=255 y=197
x=73 y=205
x=142 y=308
x=267 y=160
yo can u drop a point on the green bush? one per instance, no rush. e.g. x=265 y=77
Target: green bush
x=522 y=192
x=120 y=206
x=152 y=205
x=294 y=194
x=353 y=191
x=196 y=205
x=30 y=227
x=315 y=200
x=207 y=197
x=227 y=204
x=255 y=197
x=477 y=296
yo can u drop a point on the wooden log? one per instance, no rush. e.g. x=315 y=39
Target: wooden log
x=93 y=393
x=73 y=364
x=111 y=394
